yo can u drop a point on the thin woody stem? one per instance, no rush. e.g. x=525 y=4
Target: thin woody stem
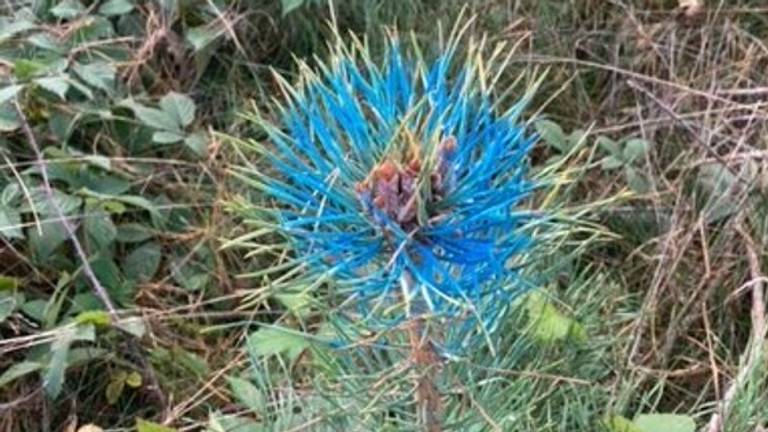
x=426 y=362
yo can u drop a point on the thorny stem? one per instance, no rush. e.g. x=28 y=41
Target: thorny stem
x=98 y=288
x=426 y=362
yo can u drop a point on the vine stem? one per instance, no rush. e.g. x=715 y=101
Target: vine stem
x=426 y=361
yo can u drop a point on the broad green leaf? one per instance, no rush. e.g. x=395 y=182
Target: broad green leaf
x=152 y=117
x=165 y=137
x=202 y=36
x=68 y=9
x=148 y=426
x=665 y=423
x=53 y=377
x=618 y=423
x=635 y=148
x=636 y=180
x=24 y=69
x=198 y=143
x=46 y=240
x=10 y=223
x=115 y=7
x=247 y=394
x=35 y=309
x=100 y=75
x=549 y=324
x=299 y=303
x=18 y=370
x=8 y=92
x=133 y=233
x=100 y=230
x=610 y=163
x=9 y=27
x=96 y=317
x=134 y=200
x=133 y=325
x=46 y=41
x=133 y=380
x=8 y=283
x=114 y=389
x=57 y=85
x=289 y=6
x=142 y=263
x=270 y=341
x=8 y=303
x=180 y=107
x=9 y=118
x=610 y=146
x=718 y=184
x=46 y=205
x=552 y=134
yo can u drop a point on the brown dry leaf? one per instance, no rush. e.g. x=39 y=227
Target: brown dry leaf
x=90 y=428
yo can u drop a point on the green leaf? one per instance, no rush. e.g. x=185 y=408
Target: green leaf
x=290 y=5
x=98 y=318
x=53 y=377
x=718 y=184
x=635 y=148
x=45 y=241
x=9 y=27
x=133 y=233
x=298 y=303
x=134 y=200
x=8 y=283
x=152 y=117
x=202 y=36
x=142 y=264
x=609 y=145
x=35 y=309
x=115 y=387
x=180 y=107
x=552 y=134
x=18 y=370
x=618 y=423
x=67 y=9
x=46 y=205
x=100 y=75
x=9 y=92
x=8 y=303
x=24 y=69
x=134 y=326
x=198 y=143
x=100 y=229
x=10 y=223
x=46 y=41
x=115 y=7
x=610 y=163
x=247 y=394
x=9 y=118
x=133 y=380
x=164 y=137
x=665 y=423
x=636 y=180
x=148 y=426
x=549 y=324
x=272 y=340
x=57 y=85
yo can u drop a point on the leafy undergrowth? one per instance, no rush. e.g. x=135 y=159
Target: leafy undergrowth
x=137 y=311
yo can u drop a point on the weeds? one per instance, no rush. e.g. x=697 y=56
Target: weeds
x=655 y=110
